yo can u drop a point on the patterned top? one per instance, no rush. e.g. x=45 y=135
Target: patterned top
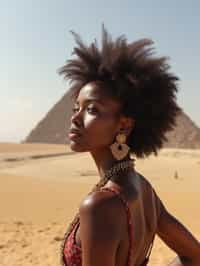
x=72 y=252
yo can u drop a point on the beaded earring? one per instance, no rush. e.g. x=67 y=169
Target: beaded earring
x=119 y=148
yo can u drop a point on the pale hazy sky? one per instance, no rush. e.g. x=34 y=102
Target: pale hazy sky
x=35 y=41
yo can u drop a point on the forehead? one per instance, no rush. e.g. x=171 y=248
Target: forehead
x=97 y=93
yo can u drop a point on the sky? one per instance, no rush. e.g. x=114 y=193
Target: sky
x=36 y=42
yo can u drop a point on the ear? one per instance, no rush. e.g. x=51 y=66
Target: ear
x=126 y=125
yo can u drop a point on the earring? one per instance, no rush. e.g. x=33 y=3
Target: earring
x=119 y=149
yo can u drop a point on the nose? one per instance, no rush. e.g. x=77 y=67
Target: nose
x=76 y=118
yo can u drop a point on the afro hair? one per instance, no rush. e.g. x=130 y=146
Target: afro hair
x=134 y=76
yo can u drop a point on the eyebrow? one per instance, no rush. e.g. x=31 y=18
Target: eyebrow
x=91 y=100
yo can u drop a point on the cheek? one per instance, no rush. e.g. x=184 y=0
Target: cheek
x=99 y=130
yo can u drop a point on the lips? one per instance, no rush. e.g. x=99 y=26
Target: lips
x=74 y=131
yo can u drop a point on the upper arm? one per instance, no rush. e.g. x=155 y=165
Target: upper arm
x=177 y=237
x=100 y=230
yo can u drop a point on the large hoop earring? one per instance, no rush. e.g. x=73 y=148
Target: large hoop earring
x=119 y=148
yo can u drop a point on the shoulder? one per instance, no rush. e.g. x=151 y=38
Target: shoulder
x=150 y=193
x=146 y=185
x=103 y=207
x=101 y=201
x=100 y=228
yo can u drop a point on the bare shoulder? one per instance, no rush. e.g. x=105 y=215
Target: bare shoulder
x=100 y=228
x=144 y=182
x=105 y=201
x=150 y=195
x=146 y=187
x=103 y=205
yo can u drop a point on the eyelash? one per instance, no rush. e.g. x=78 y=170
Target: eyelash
x=74 y=109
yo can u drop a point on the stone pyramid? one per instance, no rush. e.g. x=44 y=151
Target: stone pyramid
x=53 y=128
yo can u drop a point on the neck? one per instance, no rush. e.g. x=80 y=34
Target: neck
x=104 y=160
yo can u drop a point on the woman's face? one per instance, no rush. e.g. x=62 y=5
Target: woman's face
x=96 y=117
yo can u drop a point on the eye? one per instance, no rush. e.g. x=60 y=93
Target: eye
x=75 y=109
x=92 y=110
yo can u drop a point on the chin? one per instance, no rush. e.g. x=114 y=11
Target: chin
x=76 y=147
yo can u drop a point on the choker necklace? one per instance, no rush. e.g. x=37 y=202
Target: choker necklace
x=118 y=167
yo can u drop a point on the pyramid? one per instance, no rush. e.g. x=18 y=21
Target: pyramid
x=53 y=128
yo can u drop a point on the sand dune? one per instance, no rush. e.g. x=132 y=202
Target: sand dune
x=40 y=195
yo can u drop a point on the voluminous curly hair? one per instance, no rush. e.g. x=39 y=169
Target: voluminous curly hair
x=139 y=80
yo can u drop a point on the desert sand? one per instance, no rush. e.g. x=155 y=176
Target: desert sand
x=41 y=187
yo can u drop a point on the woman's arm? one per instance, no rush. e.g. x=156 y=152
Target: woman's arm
x=178 y=238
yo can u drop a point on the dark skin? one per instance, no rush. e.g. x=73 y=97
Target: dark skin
x=103 y=232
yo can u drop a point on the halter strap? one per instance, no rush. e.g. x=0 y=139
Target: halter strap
x=130 y=227
x=146 y=260
x=129 y=222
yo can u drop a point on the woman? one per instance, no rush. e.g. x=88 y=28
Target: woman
x=124 y=103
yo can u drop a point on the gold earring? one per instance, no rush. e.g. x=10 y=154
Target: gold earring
x=119 y=149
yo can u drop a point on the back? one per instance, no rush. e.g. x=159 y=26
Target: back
x=144 y=207
x=146 y=214
x=139 y=207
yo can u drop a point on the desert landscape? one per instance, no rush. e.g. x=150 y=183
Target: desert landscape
x=41 y=186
